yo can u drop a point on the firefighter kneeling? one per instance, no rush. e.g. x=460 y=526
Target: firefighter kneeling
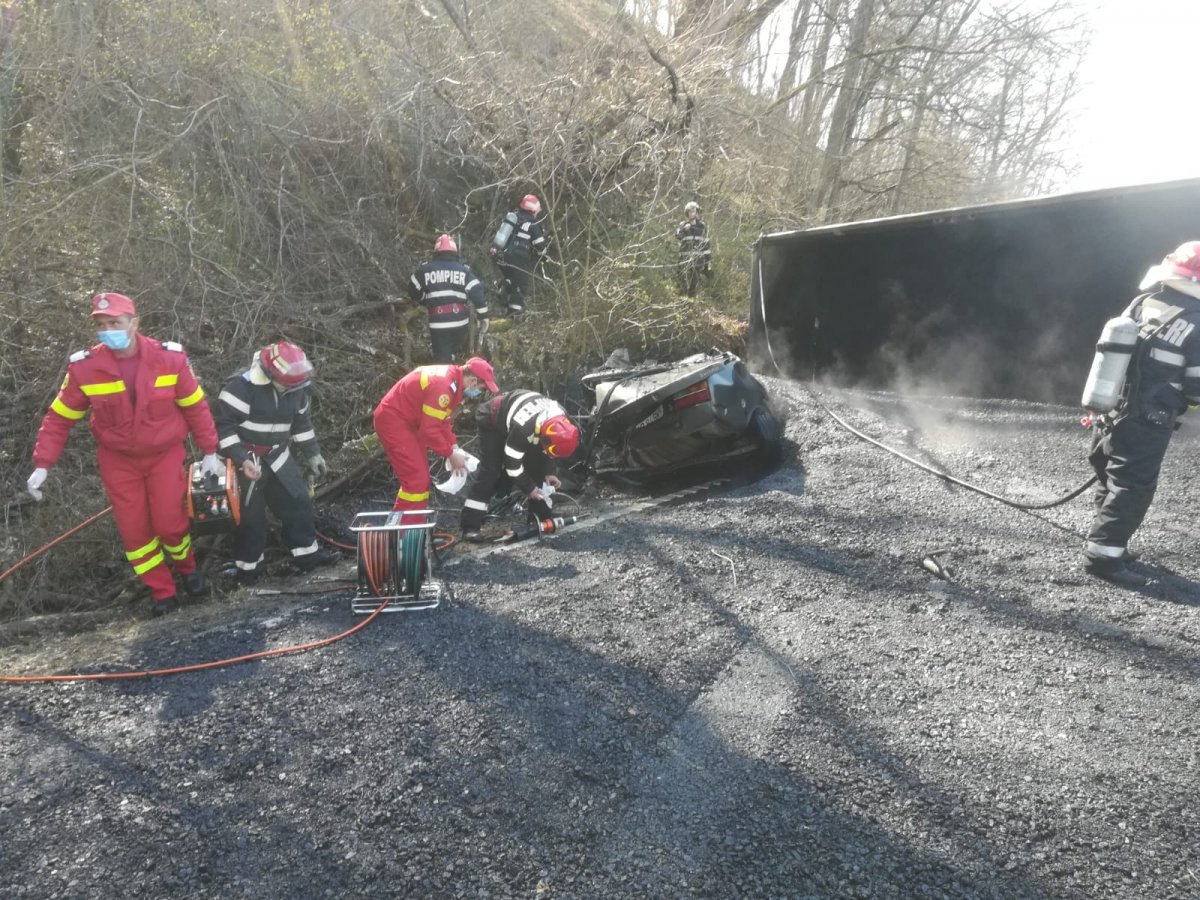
x=521 y=436
x=260 y=413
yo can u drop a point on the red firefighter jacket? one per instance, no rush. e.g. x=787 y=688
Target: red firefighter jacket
x=424 y=401
x=170 y=403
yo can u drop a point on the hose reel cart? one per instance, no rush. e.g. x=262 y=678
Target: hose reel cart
x=395 y=563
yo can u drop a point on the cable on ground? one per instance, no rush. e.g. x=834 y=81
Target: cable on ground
x=1016 y=504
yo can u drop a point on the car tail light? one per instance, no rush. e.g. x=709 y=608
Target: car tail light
x=696 y=393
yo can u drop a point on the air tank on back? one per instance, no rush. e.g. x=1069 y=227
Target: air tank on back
x=504 y=232
x=1102 y=391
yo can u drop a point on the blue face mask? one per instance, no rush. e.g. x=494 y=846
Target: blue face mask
x=114 y=340
x=471 y=393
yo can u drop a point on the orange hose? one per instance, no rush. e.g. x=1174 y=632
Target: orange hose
x=447 y=541
x=198 y=667
x=442 y=541
x=62 y=537
x=331 y=542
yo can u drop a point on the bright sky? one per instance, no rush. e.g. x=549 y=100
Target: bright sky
x=1135 y=118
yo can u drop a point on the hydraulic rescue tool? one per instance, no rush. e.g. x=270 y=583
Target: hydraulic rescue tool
x=542 y=526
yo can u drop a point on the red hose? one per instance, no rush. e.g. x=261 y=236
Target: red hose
x=62 y=537
x=197 y=667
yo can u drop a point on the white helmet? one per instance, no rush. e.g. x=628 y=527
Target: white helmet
x=691 y=205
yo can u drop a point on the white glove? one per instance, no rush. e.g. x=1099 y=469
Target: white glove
x=457 y=460
x=458 y=477
x=460 y=460
x=547 y=490
x=35 y=481
x=211 y=465
x=454 y=483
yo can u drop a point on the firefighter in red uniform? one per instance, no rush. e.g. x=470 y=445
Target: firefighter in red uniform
x=415 y=416
x=144 y=399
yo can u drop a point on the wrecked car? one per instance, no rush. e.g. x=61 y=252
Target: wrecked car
x=670 y=419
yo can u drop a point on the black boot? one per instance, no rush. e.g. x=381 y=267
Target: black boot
x=195 y=584
x=1114 y=570
x=246 y=576
x=310 y=561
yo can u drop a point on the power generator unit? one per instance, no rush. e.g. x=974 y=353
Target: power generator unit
x=213 y=501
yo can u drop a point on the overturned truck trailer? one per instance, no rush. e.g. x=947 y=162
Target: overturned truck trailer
x=1000 y=300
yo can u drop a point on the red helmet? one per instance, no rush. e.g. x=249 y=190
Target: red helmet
x=445 y=244
x=531 y=204
x=285 y=364
x=1183 y=262
x=559 y=436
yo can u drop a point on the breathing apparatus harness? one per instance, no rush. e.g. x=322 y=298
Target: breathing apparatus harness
x=1131 y=373
x=1106 y=386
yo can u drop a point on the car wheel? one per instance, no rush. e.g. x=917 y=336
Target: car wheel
x=765 y=429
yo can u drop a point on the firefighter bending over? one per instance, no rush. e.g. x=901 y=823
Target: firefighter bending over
x=518 y=247
x=444 y=285
x=695 y=250
x=416 y=416
x=1162 y=345
x=261 y=413
x=144 y=399
x=521 y=436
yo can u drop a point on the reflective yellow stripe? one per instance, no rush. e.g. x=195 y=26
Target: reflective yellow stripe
x=179 y=552
x=436 y=413
x=191 y=399
x=66 y=412
x=104 y=387
x=155 y=560
x=427 y=371
x=166 y=380
x=405 y=495
x=141 y=551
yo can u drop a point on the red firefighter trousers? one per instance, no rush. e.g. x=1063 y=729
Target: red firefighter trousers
x=147 y=495
x=406 y=452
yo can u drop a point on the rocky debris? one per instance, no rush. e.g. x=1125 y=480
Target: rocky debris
x=765 y=693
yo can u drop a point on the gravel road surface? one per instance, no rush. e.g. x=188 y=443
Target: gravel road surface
x=758 y=694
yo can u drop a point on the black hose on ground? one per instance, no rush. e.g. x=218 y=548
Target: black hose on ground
x=1007 y=501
